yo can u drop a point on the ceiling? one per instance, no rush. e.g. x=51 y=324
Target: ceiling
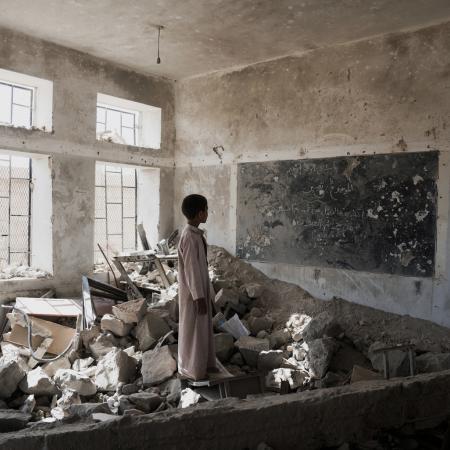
x=202 y=36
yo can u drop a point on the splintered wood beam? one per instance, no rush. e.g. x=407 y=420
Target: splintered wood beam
x=162 y=273
x=136 y=292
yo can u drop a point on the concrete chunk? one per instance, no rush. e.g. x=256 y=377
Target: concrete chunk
x=158 y=365
x=224 y=344
x=12 y=420
x=114 y=368
x=69 y=379
x=320 y=353
x=130 y=312
x=102 y=345
x=258 y=324
x=150 y=329
x=37 y=382
x=115 y=325
x=253 y=290
x=145 y=401
x=52 y=367
x=295 y=378
x=250 y=348
x=225 y=296
x=10 y=376
x=324 y=324
x=271 y=359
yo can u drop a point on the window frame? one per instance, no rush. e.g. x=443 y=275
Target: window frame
x=32 y=91
x=121 y=111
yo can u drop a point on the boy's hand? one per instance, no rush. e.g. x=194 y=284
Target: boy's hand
x=201 y=306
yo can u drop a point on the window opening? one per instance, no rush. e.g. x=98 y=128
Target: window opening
x=115 y=209
x=16 y=105
x=116 y=125
x=15 y=210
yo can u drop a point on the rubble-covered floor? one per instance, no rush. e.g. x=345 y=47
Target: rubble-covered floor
x=126 y=365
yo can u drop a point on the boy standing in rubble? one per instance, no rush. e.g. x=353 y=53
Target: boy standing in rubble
x=196 y=351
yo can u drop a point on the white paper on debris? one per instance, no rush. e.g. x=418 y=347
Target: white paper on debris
x=235 y=327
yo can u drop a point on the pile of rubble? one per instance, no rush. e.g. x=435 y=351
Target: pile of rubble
x=126 y=363
x=21 y=271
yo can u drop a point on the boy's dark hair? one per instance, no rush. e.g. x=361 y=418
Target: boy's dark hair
x=193 y=204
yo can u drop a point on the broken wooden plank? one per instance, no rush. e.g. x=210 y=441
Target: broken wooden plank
x=143 y=237
x=114 y=292
x=136 y=292
x=162 y=273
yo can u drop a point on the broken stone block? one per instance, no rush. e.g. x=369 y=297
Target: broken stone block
x=12 y=420
x=10 y=376
x=15 y=353
x=250 y=348
x=299 y=351
x=224 y=344
x=320 y=352
x=52 y=367
x=279 y=338
x=128 y=389
x=270 y=359
x=253 y=290
x=258 y=324
x=114 y=368
x=88 y=336
x=398 y=360
x=295 y=378
x=145 y=401
x=69 y=379
x=68 y=398
x=28 y=405
x=37 y=382
x=432 y=362
x=324 y=324
x=101 y=417
x=172 y=390
x=81 y=364
x=102 y=345
x=188 y=398
x=115 y=325
x=130 y=312
x=226 y=296
x=158 y=365
x=85 y=410
x=131 y=351
x=150 y=329
x=296 y=324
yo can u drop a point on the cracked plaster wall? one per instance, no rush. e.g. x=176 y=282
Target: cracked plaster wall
x=77 y=78
x=383 y=95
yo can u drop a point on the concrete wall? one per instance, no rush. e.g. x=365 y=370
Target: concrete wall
x=77 y=78
x=318 y=419
x=383 y=95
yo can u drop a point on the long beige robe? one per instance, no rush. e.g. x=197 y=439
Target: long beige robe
x=196 y=350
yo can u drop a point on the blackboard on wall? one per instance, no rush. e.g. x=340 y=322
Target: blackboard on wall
x=373 y=213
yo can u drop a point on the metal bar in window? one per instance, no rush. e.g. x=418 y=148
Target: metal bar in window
x=29 y=212
x=135 y=209
x=9 y=212
x=121 y=187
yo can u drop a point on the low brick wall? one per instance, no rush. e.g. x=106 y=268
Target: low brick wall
x=308 y=420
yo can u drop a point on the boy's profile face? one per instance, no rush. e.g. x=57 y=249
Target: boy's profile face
x=203 y=215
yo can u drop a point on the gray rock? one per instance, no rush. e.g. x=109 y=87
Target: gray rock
x=158 y=365
x=115 y=325
x=81 y=364
x=114 y=368
x=102 y=345
x=299 y=351
x=128 y=389
x=12 y=420
x=270 y=359
x=253 y=290
x=279 y=338
x=433 y=362
x=85 y=410
x=258 y=324
x=10 y=376
x=319 y=356
x=172 y=390
x=101 y=417
x=70 y=379
x=130 y=312
x=398 y=360
x=145 y=401
x=224 y=344
x=250 y=347
x=226 y=296
x=324 y=324
x=295 y=378
x=37 y=382
x=149 y=329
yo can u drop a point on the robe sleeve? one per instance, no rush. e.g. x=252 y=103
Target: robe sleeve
x=192 y=269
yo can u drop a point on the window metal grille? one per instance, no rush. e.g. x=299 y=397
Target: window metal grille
x=16 y=105
x=15 y=210
x=115 y=209
x=118 y=121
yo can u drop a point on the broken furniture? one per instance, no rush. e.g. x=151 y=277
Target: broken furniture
x=406 y=347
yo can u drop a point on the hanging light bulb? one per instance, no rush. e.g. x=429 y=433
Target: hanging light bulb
x=158 y=59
